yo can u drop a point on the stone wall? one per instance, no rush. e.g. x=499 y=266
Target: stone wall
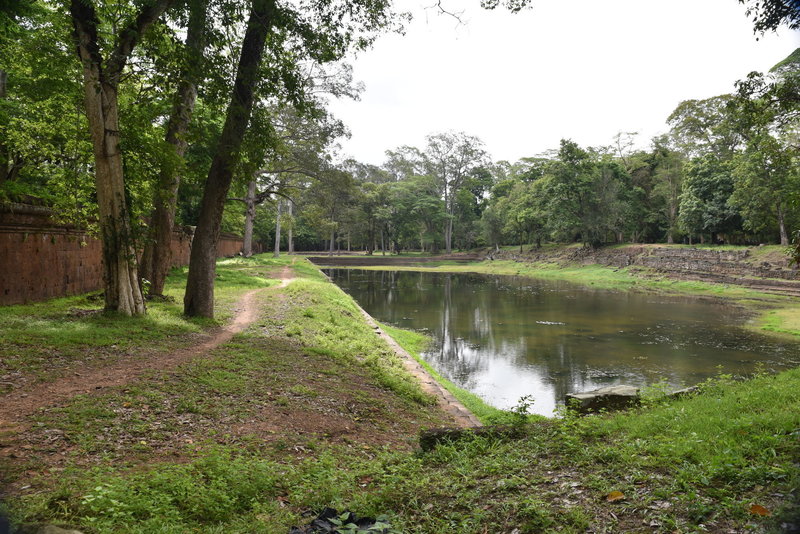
x=40 y=259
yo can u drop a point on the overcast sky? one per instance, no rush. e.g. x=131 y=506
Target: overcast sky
x=583 y=69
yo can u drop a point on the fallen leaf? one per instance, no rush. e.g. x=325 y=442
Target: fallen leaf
x=615 y=496
x=757 y=509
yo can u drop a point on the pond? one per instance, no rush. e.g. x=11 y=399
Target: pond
x=504 y=337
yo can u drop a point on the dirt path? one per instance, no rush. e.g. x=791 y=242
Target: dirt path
x=21 y=404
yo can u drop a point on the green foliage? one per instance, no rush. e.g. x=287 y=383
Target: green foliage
x=216 y=488
x=707 y=188
x=769 y=15
x=44 y=146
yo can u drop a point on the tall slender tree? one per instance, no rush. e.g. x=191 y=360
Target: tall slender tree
x=157 y=262
x=450 y=157
x=199 y=297
x=322 y=32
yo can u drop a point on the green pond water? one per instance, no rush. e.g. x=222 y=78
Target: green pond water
x=504 y=337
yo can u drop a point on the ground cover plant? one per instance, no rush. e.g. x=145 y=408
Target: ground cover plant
x=306 y=409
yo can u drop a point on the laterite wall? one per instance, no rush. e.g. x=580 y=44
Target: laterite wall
x=40 y=259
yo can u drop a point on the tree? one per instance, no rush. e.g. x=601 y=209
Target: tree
x=449 y=157
x=704 y=206
x=370 y=200
x=585 y=194
x=766 y=184
x=45 y=150
x=702 y=126
x=404 y=162
x=669 y=177
x=769 y=15
x=330 y=200
x=101 y=80
x=156 y=264
x=766 y=112
x=198 y=299
x=323 y=32
x=297 y=150
x=524 y=213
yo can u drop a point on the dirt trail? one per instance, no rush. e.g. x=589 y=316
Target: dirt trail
x=21 y=404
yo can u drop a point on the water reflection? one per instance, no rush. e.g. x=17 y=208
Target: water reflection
x=505 y=337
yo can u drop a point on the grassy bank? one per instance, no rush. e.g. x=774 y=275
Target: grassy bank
x=307 y=409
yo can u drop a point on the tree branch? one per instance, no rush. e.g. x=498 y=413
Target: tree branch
x=84 y=22
x=131 y=35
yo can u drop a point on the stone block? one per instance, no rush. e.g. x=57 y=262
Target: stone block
x=604 y=399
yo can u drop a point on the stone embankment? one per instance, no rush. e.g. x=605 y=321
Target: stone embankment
x=761 y=268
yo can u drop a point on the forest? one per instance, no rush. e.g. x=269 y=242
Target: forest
x=209 y=115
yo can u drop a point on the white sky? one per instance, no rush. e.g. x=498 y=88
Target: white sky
x=579 y=69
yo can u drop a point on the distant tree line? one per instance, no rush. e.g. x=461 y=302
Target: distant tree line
x=725 y=172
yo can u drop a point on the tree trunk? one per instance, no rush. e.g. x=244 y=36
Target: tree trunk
x=448 y=235
x=100 y=82
x=673 y=215
x=332 y=245
x=782 y=226
x=290 y=234
x=249 y=219
x=4 y=155
x=199 y=297
x=277 y=252
x=166 y=195
x=120 y=273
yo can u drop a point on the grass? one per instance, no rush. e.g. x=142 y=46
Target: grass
x=46 y=339
x=593 y=275
x=225 y=444
x=330 y=321
x=695 y=465
x=781 y=321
